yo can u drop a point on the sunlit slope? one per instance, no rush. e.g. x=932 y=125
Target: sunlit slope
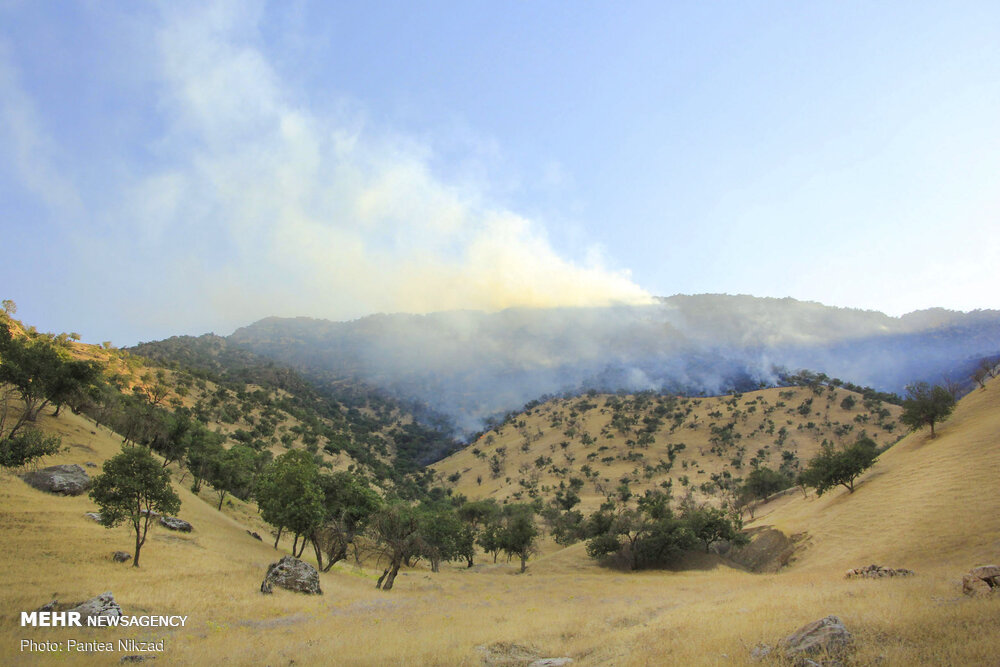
x=927 y=502
x=51 y=550
x=688 y=443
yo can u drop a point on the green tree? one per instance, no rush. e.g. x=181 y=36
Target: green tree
x=832 y=467
x=711 y=524
x=348 y=504
x=763 y=482
x=396 y=528
x=232 y=471
x=519 y=533
x=133 y=488
x=440 y=533
x=925 y=405
x=289 y=496
x=25 y=446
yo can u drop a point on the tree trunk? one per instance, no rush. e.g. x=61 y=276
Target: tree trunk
x=469 y=559
x=435 y=564
x=138 y=545
x=302 y=547
x=392 y=576
x=222 y=495
x=524 y=563
x=280 y=528
x=319 y=554
x=385 y=573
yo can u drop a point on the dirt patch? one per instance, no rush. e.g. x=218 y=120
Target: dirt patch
x=769 y=550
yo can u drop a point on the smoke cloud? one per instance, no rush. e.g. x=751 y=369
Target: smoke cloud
x=271 y=207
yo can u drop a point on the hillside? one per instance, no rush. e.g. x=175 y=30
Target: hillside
x=927 y=503
x=473 y=365
x=703 y=446
x=258 y=401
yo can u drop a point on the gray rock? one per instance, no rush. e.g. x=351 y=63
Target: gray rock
x=93 y=516
x=551 y=662
x=173 y=523
x=121 y=556
x=90 y=464
x=973 y=586
x=102 y=605
x=760 y=651
x=66 y=480
x=136 y=658
x=988 y=573
x=292 y=574
x=254 y=535
x=826 y=636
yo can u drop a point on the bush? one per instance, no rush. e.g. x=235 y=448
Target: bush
x=26 y=446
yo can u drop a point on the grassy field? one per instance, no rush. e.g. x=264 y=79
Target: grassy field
x=929 y=505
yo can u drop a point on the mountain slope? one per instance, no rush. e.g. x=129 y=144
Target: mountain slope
x=472 y=365
x=702 y=446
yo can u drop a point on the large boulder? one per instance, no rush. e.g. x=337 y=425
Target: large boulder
x=825 y=637
x=292 y=574
x=982 y=580
x=66 y=480
x=102 y=605
x=173 y=523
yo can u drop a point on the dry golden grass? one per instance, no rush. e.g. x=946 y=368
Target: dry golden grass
x=696 y=462
x=929 y=505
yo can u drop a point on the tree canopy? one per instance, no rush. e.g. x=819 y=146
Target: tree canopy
x=925 y=405
x=133 y=488
x=832 y=467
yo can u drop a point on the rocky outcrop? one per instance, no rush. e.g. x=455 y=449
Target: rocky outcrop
x=769 y=550
x=66 y=480
x=982 y=580
x=173 y=523
x=877 y=572
x=292 y=574
x=826 y=637
x=102 y=605
x=121 y=556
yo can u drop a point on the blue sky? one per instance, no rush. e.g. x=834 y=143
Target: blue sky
x=189 y=167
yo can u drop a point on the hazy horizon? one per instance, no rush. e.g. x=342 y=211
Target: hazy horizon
x=179 y=168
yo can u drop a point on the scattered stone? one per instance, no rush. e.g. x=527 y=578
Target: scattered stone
x=66 y=480
x=121 y=556
x=94 y=516
x=90 y=464
x=173 y=523
x=49 y=606
x=125 y=659
x=827 y=636
x=760 y=651
x=255 y=536
x=878 y=572
x=551 y=662
x=102 y=605
x=292 y=574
